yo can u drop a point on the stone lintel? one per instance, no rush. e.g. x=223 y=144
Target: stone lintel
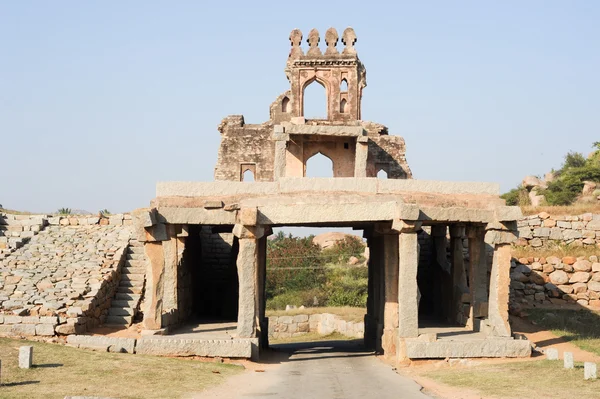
x=496 y=237
x=456 y=214
x=348 y=131
x=172 y=215
x=508 y=213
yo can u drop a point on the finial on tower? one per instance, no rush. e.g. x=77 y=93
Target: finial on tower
x=349 y=38
x=331 y=38
x=313 y=42
x=296 y=41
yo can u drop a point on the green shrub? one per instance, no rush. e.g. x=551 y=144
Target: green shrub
x=347 y=286
x=64 y=211
x=517 y=196
x=293 y=264
x=344 y=249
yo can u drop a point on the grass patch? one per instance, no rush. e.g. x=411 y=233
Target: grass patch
x=581 y=327
x=525 y=379
x=13 y=212
x=555 y=249
x=64 y=371
x=556 y=210
x=347 y=313
x=310 y=337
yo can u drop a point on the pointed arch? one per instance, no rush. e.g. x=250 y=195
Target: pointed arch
x=382 y=174
x=314 y=99
x=318 y=165
x=344 y=86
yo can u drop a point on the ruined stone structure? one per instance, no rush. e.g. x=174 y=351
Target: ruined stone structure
x=206 y=242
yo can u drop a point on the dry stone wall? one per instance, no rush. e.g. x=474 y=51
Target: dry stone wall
x=16 y=230
x=324 y=324
x=62 y=281
x=540 y=229
x=555 y=281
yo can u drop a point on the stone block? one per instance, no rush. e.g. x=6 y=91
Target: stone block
x=96 y=342
x=44 y=329
x=552 y=354
x=568 y=360
x=590 y=371
x=25 y=357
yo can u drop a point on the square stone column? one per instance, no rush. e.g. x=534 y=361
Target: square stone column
x=360 y=157
x=459 y=278
x=154 y=285
x=390 y=311
x=408 y=306
x=477 y=276
x=248 y=272
x=499 y=291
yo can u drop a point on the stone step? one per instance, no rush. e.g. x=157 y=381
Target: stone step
x=123 y=296
x=130 y=284
x=133 y=277
x=129 y=290
x=135 y=243
x=135 y=256
x=121 y=311
x=135 y=263
x=119 y=320
x=133 y=270
x=122 y=303
x=136 y=251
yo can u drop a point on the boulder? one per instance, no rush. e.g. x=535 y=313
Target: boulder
x=327 y=240
x=579 y=277
x=530 y=182
x=559 y=277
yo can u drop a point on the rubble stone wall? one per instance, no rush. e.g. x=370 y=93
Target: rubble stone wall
x=554 y=280
x=62 y=281
x=540 y=229
x=324 y=324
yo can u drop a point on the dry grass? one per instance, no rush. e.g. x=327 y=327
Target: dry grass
x=347 y=313
x=311 y=337
x=522 y=379
x=13 y=212
x=64 y=371
x=578 y=326
x=555 y=249
x=572 y=210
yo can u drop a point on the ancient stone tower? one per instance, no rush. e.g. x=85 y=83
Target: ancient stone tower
x=282 y=146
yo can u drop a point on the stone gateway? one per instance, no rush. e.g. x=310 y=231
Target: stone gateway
x=206 y=241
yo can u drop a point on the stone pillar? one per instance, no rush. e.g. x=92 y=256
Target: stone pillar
x=154 y=286
x=477 y=276
x=248 y=266
x=499 y=291
x=280 y=154
x=408 y=309
x=169 y=298
x=390 y=312
x=261 y=297
x=459 y=278
x=360 y=157
x=375 y=299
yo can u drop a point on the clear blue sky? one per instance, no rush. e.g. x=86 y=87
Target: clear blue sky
x=100 y=100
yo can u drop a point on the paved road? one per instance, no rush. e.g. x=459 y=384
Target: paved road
x=332 y=370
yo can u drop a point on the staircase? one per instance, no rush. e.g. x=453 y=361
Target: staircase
x=124 y=305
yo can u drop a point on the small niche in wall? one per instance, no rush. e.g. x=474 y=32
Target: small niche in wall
x=343 y=106
x=382 y=174
x=285 y=105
